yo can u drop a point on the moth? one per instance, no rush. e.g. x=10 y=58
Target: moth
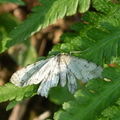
x=62 y=68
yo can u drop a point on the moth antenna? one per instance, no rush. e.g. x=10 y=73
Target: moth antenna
x=78 y=51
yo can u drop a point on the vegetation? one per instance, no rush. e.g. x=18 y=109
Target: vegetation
x=97 y=34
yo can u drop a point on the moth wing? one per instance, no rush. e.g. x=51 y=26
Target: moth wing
x=63 y=69
x=75 y=67
x=72 y=85
x=41 y=74
x=21 y=76
x=51 y=81
x=87 y=70
x=98 y=71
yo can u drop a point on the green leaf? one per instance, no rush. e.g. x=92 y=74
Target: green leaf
x=59 y=95
x=90 y=101
x=12 y=104
x=11 y=92
x=83 y=5
x=111 y=113
x=42 y=16
x=108 y=7
x=108 y=42
x=7 y=23
x=98 y=41
x=102 y=44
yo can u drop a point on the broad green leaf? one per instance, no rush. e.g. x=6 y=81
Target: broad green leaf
x=11 y=92
x=59 y=95
x=42 y=16
x=90 y=101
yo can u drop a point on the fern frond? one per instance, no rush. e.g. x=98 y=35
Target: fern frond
x=11 y=92
x=100 y=38
x=90 y=101
x=111 y=113
x=42 y=16
x=108 y=8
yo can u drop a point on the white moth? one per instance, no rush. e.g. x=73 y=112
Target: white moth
x=62 y=68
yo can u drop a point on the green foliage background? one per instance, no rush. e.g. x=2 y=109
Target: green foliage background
x=99 y=39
